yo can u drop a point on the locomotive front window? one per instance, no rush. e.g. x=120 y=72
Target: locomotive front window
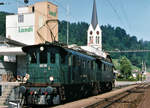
x=52 y=59
x=32 y=58
x=43 y=57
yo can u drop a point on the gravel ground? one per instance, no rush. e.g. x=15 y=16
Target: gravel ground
x=145 y=102
x=139 y=99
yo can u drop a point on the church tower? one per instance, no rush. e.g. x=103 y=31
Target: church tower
x=94 y=33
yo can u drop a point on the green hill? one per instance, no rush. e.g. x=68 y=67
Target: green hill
x=2 y=22
x=112 y=38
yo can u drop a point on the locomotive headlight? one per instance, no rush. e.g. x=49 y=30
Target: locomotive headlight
x=51 y=78
x=41 y=48
x=35 y=92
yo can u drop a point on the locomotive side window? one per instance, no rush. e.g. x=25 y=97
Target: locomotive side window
x=69 y=61
x=89 y=65
x=99 y=66
x=92 y=65
x=78 y=61
x=74 y=60
x=84 y=63
x=53 y=57
x=63 y=57
x=104 y=67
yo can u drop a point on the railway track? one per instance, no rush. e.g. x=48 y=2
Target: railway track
x=126 y=97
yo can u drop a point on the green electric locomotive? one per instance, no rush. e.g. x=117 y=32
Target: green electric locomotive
x=57 y=73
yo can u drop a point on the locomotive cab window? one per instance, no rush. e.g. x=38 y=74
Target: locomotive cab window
x=32 y=58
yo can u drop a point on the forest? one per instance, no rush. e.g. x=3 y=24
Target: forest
x=113 y=38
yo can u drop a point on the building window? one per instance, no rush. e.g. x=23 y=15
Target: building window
x=20 y=18
x=98 y=41
x=48 y=6
x=91 y=40
x=33 y=9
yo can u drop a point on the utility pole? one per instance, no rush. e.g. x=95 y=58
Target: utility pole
x=67 y=24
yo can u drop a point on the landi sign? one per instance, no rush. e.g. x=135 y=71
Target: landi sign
x=25 y=29
x=52 y=13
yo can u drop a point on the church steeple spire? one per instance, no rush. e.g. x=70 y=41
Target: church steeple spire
x=94 y=20
x=94 y=33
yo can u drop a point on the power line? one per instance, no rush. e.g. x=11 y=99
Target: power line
x=128 y=51
x=115 y=11
x=125 y=15
x=66 y=10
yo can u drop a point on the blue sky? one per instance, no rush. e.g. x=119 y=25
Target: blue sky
x=132 y=15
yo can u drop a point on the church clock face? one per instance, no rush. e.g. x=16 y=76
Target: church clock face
x=91 y=32
x=97 y=32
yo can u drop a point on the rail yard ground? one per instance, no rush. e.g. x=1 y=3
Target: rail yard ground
x=135 y=96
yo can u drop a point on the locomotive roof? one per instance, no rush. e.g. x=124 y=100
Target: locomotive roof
x=64 y=48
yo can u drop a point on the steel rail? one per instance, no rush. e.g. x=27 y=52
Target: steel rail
x=118 y=100
x=92 y=101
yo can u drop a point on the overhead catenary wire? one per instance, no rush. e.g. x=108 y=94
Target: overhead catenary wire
x=127 y=51
x=125 y=15
x=66 y=10
x=116 y=12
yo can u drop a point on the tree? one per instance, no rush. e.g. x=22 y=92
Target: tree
x=125 y=67
x=3 y=22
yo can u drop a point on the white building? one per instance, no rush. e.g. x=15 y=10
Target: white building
x=21 y=27
x=33 y=24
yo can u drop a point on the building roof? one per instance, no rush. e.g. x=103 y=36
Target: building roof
x=11 y=51
x=4 y=40
x=94 y=20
